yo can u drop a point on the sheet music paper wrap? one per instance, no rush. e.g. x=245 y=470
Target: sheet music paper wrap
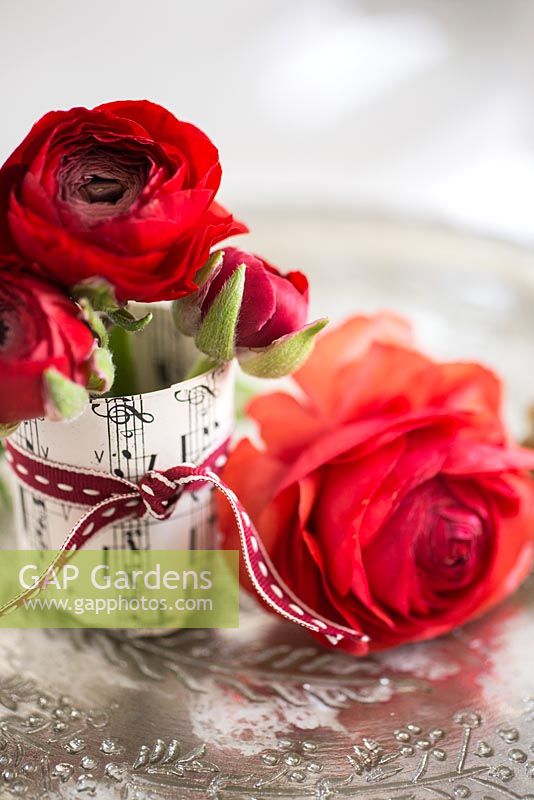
x=127 y=436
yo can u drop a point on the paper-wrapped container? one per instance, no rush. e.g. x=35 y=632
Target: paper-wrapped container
x=128 y=436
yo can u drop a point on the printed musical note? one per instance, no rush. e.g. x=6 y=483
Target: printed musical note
x=193 y=539
x=23 y=509
x=27 y=436
x=200 y=402
x=130 y=540
x=39 y=521
x=146 y=461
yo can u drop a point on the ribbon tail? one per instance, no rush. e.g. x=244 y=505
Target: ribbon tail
x=94 y=520
x=265 y=577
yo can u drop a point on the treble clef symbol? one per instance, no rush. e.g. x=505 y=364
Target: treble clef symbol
x=120 y=412
x=195 y=396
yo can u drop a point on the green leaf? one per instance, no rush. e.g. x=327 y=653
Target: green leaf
x=186 y=311
x=64 y=399
x=283 y=356
x=102 y=371
x=216 y=336
x=124 y=319
x=7 y=428
x=97 y=291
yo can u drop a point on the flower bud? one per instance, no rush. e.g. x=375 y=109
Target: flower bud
x=273 y=304
x=246 y=308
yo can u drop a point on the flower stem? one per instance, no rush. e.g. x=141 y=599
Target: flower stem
x=202 y=365
x=120 y=344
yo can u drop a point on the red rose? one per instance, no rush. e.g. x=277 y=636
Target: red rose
x=273 y=304
x=40 y=330
x=387 y=495
x=123 y=192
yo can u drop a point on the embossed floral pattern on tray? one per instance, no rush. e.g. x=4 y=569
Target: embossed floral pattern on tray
x=53 y=747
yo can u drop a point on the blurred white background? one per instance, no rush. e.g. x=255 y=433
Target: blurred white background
x=418 y=106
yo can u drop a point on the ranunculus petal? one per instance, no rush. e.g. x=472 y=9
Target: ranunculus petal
x=41 y=329
x=354 y=441
x=513 y=556
x=398 y=506
x=467 y=458
x=255 y=474
x=289 y=313
x=150 y=236
x=344 y=345
x=386 y=379
x=162 y=126
x=299 y=420
x=259 y=298
x=272 y=306
x=469 y=388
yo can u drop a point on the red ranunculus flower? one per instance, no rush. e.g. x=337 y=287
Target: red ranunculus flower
x=123 y=192
x=273 y=304
x=387 y=494
x=40 y=330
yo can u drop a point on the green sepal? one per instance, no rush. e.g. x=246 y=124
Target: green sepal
x=283 y=356
x=7 y=428
x=216 y=336
x=64 y=399
x=212 y=265
x=94 y=320
x=186 y=312
x=102 y=371
x=96 y=294
x=124 y=319
x=99 y=292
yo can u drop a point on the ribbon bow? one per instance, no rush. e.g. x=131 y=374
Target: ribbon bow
x=106 y=499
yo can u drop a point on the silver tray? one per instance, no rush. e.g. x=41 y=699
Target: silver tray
x=263 y=712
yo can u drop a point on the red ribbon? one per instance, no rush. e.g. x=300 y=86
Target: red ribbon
x=107 y=499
